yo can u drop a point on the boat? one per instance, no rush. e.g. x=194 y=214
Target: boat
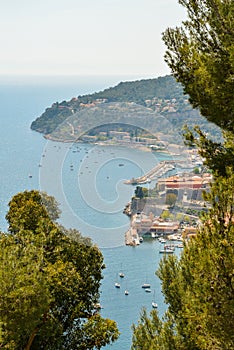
x=141 y=239
x=180 y=245
x=166 y=251
x=98 y=306
x=154 y=304
x=121 y=273
x=147 y=290
x=117 y=285
x=162 y=240
x=169 y=246
x=121 y=164
x=126 y=292
x=146 y=286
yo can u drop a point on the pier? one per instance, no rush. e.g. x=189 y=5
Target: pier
x=159 y=170
x=132 y=237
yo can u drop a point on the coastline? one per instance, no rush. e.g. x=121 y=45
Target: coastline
x=136 y=145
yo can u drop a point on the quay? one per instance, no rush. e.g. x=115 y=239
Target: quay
x=132 y=237
x=159 y=170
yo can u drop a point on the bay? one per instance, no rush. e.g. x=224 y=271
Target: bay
x=89 y=184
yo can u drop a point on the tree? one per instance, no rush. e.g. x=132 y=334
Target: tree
x=27 y=209
x=171 y=199
x=139 y=193
x=165 y=214
x=201 y=56
x=49 y=283
x=198 y=287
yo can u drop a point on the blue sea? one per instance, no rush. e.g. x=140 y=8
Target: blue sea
x=88 y=182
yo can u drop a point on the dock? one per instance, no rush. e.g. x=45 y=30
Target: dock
x=132 y=237
x=159 y=170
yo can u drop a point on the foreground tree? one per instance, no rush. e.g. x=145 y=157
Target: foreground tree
x=199 y=287
x=49 y=283
x=201 y=57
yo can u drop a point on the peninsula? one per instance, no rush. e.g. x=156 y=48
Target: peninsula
x=90 y=118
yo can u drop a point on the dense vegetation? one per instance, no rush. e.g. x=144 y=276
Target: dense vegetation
x=49 y=281
x=199 y=287
x=163 y=95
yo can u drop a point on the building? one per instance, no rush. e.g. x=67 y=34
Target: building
x=184 y=182
x=164 y=227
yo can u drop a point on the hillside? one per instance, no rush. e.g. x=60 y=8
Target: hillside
x=162 y=95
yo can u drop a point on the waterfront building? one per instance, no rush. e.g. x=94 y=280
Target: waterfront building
x=164 y=227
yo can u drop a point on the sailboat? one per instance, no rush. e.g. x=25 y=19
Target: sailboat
x=117 y=284
x=146 y=285
x=121 y=274
x=126 y=292
x=154 y=304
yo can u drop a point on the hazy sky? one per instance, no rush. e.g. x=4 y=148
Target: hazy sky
x=85 y=37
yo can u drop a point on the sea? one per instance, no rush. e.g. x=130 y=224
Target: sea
x=88 y=182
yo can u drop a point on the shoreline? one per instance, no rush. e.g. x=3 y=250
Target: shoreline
x=139 y=146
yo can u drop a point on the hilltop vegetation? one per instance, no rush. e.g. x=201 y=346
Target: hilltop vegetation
x=162 y=95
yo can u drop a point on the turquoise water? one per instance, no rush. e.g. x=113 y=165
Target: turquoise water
x=92 y=195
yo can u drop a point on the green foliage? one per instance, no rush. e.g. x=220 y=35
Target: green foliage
x=163 y=95
x=199 y=287
x=27 y=209
x=49 y=282
x=165 y=214
x=201 y=57
x=218 y=156
x=196 y=170
x=171 y=199
x=139 y=192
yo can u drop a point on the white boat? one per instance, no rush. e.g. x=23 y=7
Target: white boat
x=180 y=245
x=147 y=290
x=145 y=285
x=169 y=246
x=126 y=292
x=121 y=274
x=162 y=240
x=98 y=306
x=117 y=285
x=166 y=251
x=154 y=304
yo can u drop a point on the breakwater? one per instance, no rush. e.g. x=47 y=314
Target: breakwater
x=159 y=170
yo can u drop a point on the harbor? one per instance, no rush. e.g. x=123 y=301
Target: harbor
x=159 y=170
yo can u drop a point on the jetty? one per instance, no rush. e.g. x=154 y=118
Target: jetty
x=159 y=170
x=132 y=237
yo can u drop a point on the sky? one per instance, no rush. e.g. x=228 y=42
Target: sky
x=85 y=37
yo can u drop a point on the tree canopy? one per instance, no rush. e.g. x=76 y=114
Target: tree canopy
x=49 y=282
x=201 y=56
x=199 y=287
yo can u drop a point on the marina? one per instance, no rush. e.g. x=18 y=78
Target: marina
x=158 y=171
